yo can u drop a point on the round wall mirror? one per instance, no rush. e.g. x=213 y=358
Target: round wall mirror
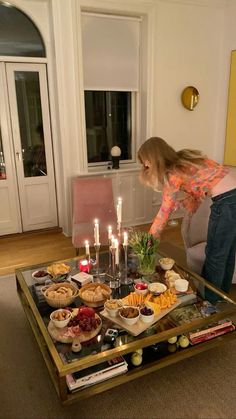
x=190 y=97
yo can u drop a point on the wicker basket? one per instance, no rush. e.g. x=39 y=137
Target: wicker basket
x=93 y=287
x=58 y=300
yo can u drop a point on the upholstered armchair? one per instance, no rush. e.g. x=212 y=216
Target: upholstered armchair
x=92 y=198
x=194 y=233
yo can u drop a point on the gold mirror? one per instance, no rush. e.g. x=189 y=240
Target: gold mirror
x=190 y=97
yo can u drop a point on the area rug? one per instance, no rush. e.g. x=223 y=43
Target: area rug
x=200 y=387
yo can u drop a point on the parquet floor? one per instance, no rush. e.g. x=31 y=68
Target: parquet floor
x=38 y=247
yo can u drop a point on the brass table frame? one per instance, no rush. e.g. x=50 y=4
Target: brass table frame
x=58 y=370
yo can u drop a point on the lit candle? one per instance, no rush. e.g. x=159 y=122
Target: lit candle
x=113 y=245
x=96 y=232
x=125 y=242
x=117 y=252
x=119 y=210
x=86 y=247
x=109 y=232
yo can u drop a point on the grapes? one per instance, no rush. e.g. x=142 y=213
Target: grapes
x=146 y=311
x=85 y=322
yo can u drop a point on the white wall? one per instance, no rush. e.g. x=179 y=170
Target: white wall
x=188 y=52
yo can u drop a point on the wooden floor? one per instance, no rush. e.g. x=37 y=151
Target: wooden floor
x=32 y=248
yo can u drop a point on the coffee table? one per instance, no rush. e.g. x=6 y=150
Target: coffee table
x=153 y=340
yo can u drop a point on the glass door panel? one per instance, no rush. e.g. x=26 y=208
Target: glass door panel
x=30 y=123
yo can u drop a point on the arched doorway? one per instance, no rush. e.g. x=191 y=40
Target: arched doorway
x=27 y=183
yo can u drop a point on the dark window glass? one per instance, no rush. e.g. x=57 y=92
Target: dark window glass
x=108 y=123
x=18 y=34
x=30 y=120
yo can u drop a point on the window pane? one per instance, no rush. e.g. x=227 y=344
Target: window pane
x=2 y=160
x=108 y=123
x=18 y=34
x=30 y=121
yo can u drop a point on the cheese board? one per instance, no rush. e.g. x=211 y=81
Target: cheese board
x=139 y=326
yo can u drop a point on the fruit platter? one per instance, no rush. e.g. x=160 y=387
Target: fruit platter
x=84 y=324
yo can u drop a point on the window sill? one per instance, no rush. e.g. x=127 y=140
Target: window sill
x=102 y=170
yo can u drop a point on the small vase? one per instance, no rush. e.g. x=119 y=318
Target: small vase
x=146 y=264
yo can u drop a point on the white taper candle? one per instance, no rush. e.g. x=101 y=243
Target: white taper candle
x=86 y=247
x=96 y=232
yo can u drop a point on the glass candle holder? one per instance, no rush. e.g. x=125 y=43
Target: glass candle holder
x=84 y=265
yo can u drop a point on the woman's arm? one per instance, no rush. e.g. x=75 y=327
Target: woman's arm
x=169 y=202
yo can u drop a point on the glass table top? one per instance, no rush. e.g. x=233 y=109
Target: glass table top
x=155 y=338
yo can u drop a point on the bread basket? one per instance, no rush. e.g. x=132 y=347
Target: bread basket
x=60 y=295
x=97 y=289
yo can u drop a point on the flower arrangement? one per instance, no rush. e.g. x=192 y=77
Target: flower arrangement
x=145 y=246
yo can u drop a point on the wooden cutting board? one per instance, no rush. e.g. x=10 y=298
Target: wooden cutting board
x=140 y=326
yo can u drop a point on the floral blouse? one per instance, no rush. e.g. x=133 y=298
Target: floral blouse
x=196 y=182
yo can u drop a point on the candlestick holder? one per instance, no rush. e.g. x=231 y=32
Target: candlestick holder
x=109 y=257
x=115 y=279
x=126 y=280
x=97 y=277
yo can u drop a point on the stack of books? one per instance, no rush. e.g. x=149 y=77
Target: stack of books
x=212 y=331
x=96 y=374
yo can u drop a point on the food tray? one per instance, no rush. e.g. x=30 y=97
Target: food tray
x=139 y=327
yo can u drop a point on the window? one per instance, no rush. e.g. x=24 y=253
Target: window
x=111 y=58
x=108 y=123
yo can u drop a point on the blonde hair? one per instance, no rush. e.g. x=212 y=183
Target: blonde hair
x=163 y=159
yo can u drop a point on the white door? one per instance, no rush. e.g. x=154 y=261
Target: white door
x=27 y=184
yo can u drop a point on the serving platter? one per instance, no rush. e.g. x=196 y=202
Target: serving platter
x=65 y=335
x=140 y=326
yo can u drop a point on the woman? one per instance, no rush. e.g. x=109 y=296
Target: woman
x=191 y=172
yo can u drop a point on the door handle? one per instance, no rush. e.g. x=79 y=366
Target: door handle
x=18 y=155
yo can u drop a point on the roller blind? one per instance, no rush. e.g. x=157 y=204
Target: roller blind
x=110 y=46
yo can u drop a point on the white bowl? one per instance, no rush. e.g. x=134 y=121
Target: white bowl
x=157 y=288
x=129 y=320
x=181 y=285
x=166 y=263
x=147 y=318
x=112 y=307
x=42 y=278
x=141 y=291
x=60 y=323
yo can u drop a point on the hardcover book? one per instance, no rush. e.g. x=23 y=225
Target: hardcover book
x=96 y=373
x=212 y=334
x=210 y=328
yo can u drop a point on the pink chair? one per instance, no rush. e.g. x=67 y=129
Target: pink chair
x=92 y=198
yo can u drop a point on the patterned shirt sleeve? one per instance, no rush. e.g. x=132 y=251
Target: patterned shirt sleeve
x=169 y=203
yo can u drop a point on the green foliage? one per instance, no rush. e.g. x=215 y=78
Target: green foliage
x=143 y=243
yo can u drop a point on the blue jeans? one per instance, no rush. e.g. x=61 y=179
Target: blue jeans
x=221 y=244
